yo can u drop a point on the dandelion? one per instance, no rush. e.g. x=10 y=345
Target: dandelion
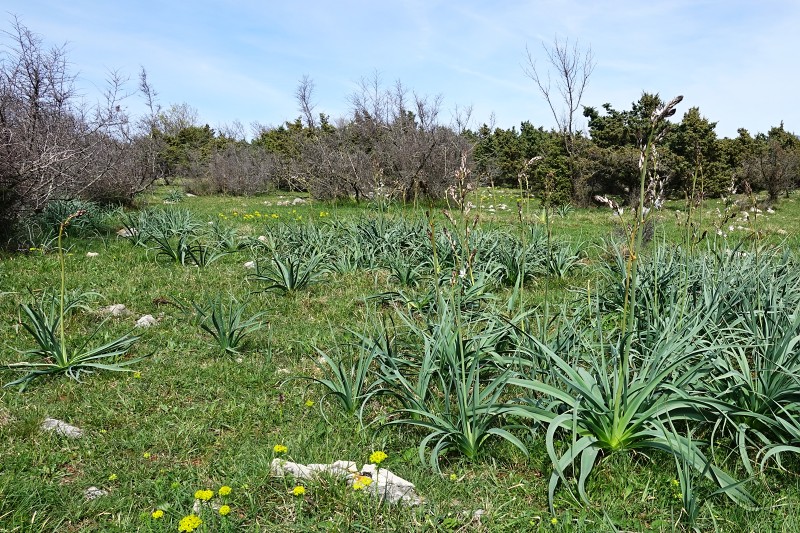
x=377 y=457
x=189 y=523
x=224 y=490
x=554 y=520
x=158 y=513
x=299 y=490
x=225 y=510
x=204 y=495
x=280 y=448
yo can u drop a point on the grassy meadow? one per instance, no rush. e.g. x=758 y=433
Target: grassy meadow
x=448 y=340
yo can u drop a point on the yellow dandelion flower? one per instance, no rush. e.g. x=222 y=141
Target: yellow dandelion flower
x=299 y=490
x=224 y=490
x=189 y=523
x=377 y=457
x=158 y=513
x=225 y=510
x=204 y=495
x=280 y=448
x=554 y=520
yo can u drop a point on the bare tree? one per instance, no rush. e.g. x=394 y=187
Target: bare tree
x=53 y=145
x=304 y=94
x=562 y=83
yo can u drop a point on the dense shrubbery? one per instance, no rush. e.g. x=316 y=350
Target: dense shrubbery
x=391 y=146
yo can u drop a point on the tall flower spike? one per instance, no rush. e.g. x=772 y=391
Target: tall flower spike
x=667 y=111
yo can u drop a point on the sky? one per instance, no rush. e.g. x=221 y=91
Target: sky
x=737 y=60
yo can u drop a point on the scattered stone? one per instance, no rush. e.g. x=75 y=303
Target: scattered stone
x=199 y=505
x=128 y=232
x=92 y=254
x=250 y=264
x=389 y=487
x=281 y=467
x=146 y=321
x=298 y=201
x=385 y=485
x=92 y=493
x=59 y=427
x=262 y=238
x=190 y=195
x=115 y=310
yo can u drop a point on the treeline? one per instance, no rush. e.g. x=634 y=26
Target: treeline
x=392 y=144
x=390 y=148
x=693 y=161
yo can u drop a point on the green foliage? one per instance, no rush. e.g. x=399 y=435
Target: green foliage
x=451 y=392
x=226 y=323
x=288 y=274
x=347 y=381
x=46 y=326
x=57 y=358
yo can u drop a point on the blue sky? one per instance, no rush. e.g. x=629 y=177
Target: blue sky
x=242 y=60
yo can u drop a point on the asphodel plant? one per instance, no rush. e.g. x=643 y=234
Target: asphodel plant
x=648 y=156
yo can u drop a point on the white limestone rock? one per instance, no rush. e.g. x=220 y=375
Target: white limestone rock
x=115 y=310
x=92 y=493
x=146 y=321
x=59 y=427
x=385 y=485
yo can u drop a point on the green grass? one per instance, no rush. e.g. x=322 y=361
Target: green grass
x=207 y=419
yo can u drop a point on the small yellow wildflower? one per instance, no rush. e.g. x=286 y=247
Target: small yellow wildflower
x=158 y=513
x=280 y=448
x=224 y=490
x=204 y=495
x=377 y=457
x=299 y=490
x=137 y=375
x=146 y=455
x=189 y=523
x=112 y=477
x=225 y=510
x=675 y=482
x=554 y=520
x=309 y=403
x=453 y=477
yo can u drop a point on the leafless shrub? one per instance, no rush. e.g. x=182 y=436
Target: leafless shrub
x=52 y=144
